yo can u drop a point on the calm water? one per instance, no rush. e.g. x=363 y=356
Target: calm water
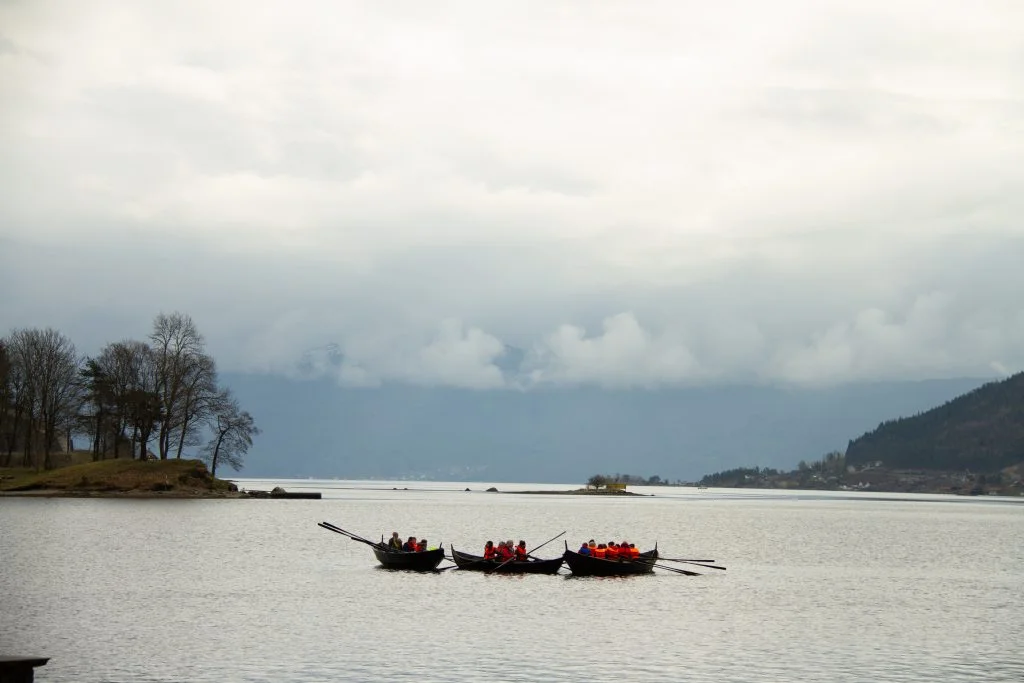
x=820 y=587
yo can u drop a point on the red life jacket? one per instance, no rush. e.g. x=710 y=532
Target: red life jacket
x=489 y=553
x=599 y=552
x=504 y=553
x=634 y=552
x=612 y=553
x=521 y=553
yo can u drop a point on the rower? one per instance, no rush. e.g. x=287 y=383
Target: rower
x=521 y=553
x=489 y=550
x=584 y=549
x=410 y=545
x=394 y=543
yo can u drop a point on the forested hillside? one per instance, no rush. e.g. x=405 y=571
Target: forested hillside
x=981 y=431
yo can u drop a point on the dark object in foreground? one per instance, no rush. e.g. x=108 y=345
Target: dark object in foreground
x=19 y=669
x=584 y=565
x=425 y=561
x=476 y=563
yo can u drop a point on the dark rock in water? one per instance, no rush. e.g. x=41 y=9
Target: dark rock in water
x=467 y=488
x=493 y=489
x=232 y=486
x=278 y=489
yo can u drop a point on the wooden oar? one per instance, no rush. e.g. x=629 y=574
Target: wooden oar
x=354 y=537
x=675 y=569
x=673 y=559
x=693 y=562
x=540 y=546
x=338 y=530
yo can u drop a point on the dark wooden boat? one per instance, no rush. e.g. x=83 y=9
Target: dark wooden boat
x=585 y=565
x=477 y=563
x=425 y=561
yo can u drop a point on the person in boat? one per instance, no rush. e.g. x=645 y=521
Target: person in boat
x=489 y=550
x=521 y=554
x=584 y=549
x=592 y=546
x=611 y=551
x=410 y=545
x=601 y=551
x=421 y=546
x=395 y=542
x=504 y=551
x=634 y=552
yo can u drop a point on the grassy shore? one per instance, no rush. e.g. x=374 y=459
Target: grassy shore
x=160 y=478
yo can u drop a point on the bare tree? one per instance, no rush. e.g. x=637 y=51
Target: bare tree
x=6 y=402
x=177 y=346
x=22 y=398
x=233 y=430
x=130 y=374
x=198 y=396
x=51 y=366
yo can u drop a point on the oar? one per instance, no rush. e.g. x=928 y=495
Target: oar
x=549 y=541
x=355 y=537
x=347 y=535
x=693 y=562
x=540 y=546
x=673 y=559
x=675 y=569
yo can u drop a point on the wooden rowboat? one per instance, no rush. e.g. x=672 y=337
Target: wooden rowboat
x=477 y=563
x=585 y=565
x=425 y=561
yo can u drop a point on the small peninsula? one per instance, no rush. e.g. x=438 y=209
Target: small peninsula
x=119 y=478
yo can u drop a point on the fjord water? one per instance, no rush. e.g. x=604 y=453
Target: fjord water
x=819 y=587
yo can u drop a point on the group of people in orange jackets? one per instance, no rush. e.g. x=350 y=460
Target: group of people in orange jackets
x=506 y=551
x=610 y=550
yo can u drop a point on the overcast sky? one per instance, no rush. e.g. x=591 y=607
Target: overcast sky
x=634 y=194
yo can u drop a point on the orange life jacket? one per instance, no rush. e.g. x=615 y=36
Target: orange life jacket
x=599 y=552
x=521 y=553
x=634 y=552
x=489 y=553
x=612 y=553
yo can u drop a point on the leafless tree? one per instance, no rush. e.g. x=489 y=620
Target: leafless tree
x=178 y=347
x=6 y=404
x=51 y=367
x=233 y=430
x=22 y=399
x=198 y=396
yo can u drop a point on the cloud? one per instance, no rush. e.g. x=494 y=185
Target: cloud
x=680 y=194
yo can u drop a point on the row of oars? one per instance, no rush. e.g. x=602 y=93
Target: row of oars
x=349 y=534
x=704 y=564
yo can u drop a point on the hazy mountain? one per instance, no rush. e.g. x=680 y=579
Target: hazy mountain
x=315 y=428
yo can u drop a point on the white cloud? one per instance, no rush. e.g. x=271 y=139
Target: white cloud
x=679 y=192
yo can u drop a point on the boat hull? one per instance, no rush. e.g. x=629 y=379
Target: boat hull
x=425 y=561
x=584 y=565
x=477 y=563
